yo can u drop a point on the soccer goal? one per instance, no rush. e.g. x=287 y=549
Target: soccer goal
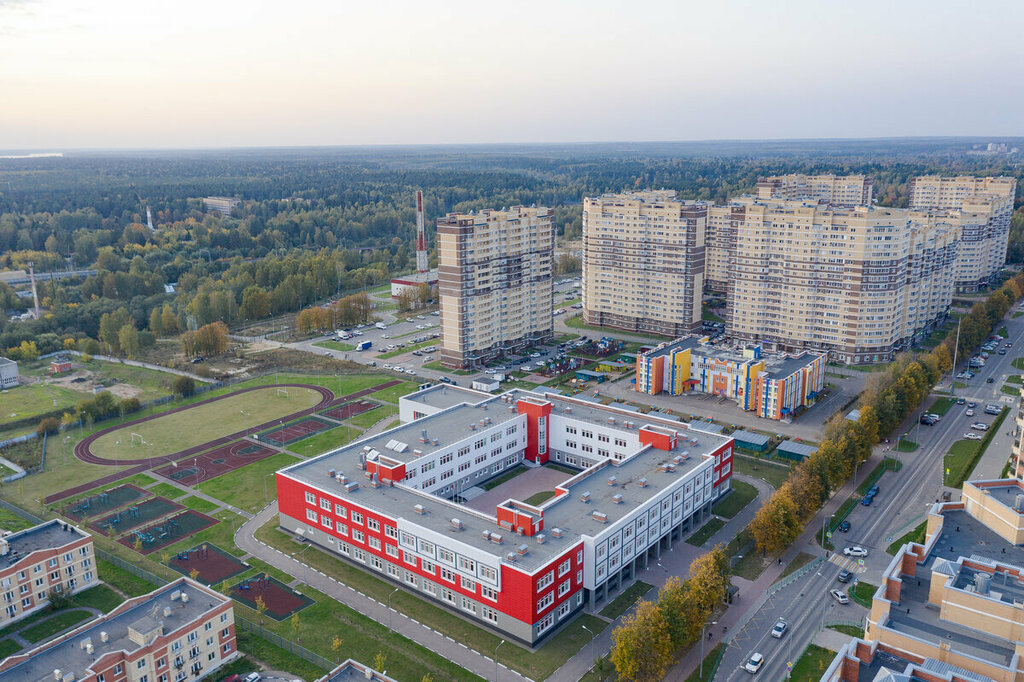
x=136 y=437
x=282 y=392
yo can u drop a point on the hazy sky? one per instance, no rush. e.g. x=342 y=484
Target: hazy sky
x=183 y=73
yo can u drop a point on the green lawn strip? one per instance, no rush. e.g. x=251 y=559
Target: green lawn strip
x=24 y=402
x=397 y=422
x=559 y=467
x=742 y=494
x=801 y=560
x=399 y=351
x=12 y=522
x=141 y=480
x=25 y=622
x=705 y=532
x=708 y=667
x=51 y=626
x=624 y=601
x=862 y=593
x=746 y=561
x=100 y=597
x=964 y=454
x=537 y=665
x=577 y=323
x=8 y=647
x=122 y=580
x=906 y=445
x=774 y=474
x=915 y=535
x=335 y=345
x=199 y=504
x=812 y=664
x=221 y=534
x=368 y=419
x=538 y=498
x=1010 y=389
x=275 y=657
x=1003 y=332
x=325 y=440
x=1014 y=379
x=844 y=510
x=1017 y=314
x=166 y=490
x=709 y=316
x=848 y=630
x=942 y=405
x=1018 y=363
x=438 y=367
x=505 y=477
x=242 y=488
x=393 y=393
x=340 y=384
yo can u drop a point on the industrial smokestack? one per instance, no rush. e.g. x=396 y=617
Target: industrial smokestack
x=35 y=294
x=149 y=220
x=422 y=264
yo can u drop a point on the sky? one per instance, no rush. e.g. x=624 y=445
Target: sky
x=217 y=73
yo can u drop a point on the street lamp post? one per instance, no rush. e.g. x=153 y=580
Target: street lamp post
x=389 y=606
x=714 y=622
x=593 y=641
x=305 y=566
x=823 y=528
x=496 y=660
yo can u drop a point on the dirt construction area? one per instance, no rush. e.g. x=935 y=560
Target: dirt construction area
x=87 y=382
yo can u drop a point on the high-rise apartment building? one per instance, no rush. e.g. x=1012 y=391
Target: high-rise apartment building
x=983 y=207
x=858 y=283
x=494 y=273
x=835 y=190
x=643 y=262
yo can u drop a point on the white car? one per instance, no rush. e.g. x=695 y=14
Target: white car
x=411 y=371
x=387 y=366
x=979 y=426
x=754 y=663
x=972 y=436
x=780 y=628
x=855 y=551
x=839 y=596
x=399 y=369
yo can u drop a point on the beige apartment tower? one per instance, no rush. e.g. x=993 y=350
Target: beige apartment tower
x=643 y=262
x=859 y=283
x=983 y=207
x=835 y=190
x=494 y=283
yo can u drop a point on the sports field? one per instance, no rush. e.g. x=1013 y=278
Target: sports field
x=281 y=601
x=213 y=463
x=178 y=430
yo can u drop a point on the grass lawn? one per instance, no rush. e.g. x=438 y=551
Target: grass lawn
x=774 y=474
x=507 y=476
x=742 y=494
x=704 y=533
x=61 y=621
x=538 y=498
x=166 y=490
x=709 y=316
x=906 y=445
x=1018 y=363
x=35 y=399
x=276 y=657
x=537 y=665
x=221 y=535
x=1013 y=379
x=862 y=593
x=801 y=560
x=335 y=345
x=325 y=440
x=942 y=405
x=199 y=504
x=393 y=393
x=242 y=487
x=915 y=535
x=12 y=522
x=747 y=562
x=812 y=664
x=876 y=473
x=626 y=599
x=848 y=630
x=368 y=419
x=709 y=666
x=100 y=597
x=1011 y=389
x=122 y=580
x=8 y=647
x=437 y=366
x=1017 y=314
x=177 y=431
x=1003 y=332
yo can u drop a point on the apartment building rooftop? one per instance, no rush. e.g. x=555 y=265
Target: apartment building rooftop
x=615 y=488
x=49 y=535
x=129 y=627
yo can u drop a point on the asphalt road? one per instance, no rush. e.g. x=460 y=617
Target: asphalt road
x=899 y=506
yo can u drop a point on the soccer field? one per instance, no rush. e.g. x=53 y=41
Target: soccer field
x=199 y=424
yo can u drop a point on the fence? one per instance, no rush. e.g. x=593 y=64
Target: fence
x=775 y=587
x=286 y=644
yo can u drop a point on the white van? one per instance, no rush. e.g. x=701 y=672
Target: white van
x=380 y=325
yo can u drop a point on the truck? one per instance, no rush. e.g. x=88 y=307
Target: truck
x=363 y=345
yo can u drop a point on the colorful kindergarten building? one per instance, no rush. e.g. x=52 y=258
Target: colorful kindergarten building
x=774 y=388
x=408 y=505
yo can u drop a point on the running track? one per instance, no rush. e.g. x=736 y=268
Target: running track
x=83 y=452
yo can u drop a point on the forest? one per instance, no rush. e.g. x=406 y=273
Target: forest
x=314 y=224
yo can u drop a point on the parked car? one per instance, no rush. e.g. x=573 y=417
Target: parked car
x=990 y=380
x=868 y=499
x=969 y=413
x=972 y=436
x=979 y=426
x=844 y=576
x=855 y=551
x=780 y=628
x=960 y=401
x=1002 y=351
x=839 y=596
x=972 y=404
x=844 y=527
x=992 y=409
x=387 y=366
x=927 y=421
x=754 y=663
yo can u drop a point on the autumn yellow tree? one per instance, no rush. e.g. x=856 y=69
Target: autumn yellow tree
x=776 y=523
x=641 y=645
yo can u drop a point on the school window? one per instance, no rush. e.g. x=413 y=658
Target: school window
x=446 y=555
x=620 y=442
x=468 y=605
x=391 y=550
x=325 y=503
x=510 y=430
x=325 y=521
x=357 y=518
x=488 y=573
x=428 y=567
x=311 y=515
x=358 y=536
x=489 y=593
x=545 y=580
x=602 y=438
x=467 y=565
x=463 y=451
x=410 y=578
x=495 y=437
x=445 y=459
x=563 y=610
x=480 y=443
x=310 y=498
x=447 y=474
x=373 y=524
x=587 y=434
x=579 y=576
x=342 y=528
x=394 y=571
x=426 y=548
x=376 y=563
x=570 y=443
x=545 y=601
x=587 y=448
x=468 y=584
x=340 y=511
x=570 y=429
x=546 y=622
x=409 y=557
x=490 y=614
x=564 y=567
x=374 y=543
x=448 y=574
x=563 y=589
x=407 y=540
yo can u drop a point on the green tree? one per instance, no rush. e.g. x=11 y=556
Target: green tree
x=128 y=340
x=184 y=386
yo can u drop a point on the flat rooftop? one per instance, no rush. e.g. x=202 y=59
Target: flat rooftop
x=69 y=656
x=443 y=396
x=567 y=512
x=783 y=367
x=49 y=535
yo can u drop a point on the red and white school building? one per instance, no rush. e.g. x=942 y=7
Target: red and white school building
x=396 y=503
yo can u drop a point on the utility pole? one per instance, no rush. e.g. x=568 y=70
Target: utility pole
x=956 y=347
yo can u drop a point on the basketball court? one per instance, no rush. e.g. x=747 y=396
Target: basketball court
x=350 y=409
x=296 y=431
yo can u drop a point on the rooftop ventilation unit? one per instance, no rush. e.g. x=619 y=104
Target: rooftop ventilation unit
x=351 y=487
x=600 y=517
x=456 y=524
x=611 y=420
x=168 y=611
x=540 y=538
x=341 y=478
x=496 y=538
x=585 y=496
x=568 y=409
x=629 y=425
x=104 y=637
x=511 y=408
x=419 y=509
x=677 y=459
x=1019 y=504
x=330 y=473
x=617 y=499
x=642 y=482
x=511 y=556
x=522 y=550
x=175 y=595
x=556 y=532
x=184 y=597
x=84 y=643
x=374 y=481
x=89 y=649
x=57 y=674
x=612 y=480
x=436 y=441
x=486 y=534
x=472 y=427
x=417 y=453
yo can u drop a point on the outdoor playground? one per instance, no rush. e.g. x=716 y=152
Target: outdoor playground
x=104 y=502
x=167 y=532
x=215 y=462
x=281 y=601
x=134 y=516
x=212 y=564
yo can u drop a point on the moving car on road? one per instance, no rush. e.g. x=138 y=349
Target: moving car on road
x=844 y=527
x=780 y=628
x=855 y=551
x=844 y=576
x=754 y=663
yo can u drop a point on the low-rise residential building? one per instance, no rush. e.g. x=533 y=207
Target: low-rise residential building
x=53 y=557
x=406 y=504
x=181 y=631
x=8 y=373
x=951 y=608
x=643 y=262
x=773 y=388
x=412 y=283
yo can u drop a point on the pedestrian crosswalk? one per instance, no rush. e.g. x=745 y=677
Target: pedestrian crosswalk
x=848 y=563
